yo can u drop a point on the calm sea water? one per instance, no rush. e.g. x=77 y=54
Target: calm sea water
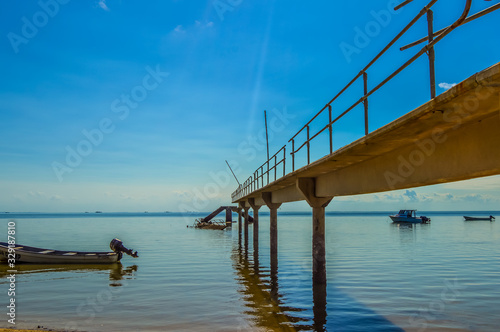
x=380 y=276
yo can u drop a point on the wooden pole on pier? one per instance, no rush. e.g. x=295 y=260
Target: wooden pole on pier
x=267 y=137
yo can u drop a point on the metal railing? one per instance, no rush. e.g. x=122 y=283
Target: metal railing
x=263 y=175
x=432 y=39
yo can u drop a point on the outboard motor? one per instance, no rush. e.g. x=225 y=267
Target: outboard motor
x=117 y=246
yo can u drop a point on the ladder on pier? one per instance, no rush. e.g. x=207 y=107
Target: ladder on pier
x=229 y=214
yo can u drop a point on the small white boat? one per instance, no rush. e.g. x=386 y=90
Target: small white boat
x=490 y=218
x=27 y=254
x=409 y=216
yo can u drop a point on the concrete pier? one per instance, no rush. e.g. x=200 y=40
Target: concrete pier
x=452 y=137
x=273 y=230
x=246 y=208
x=255 y=208
x=307 y=186
x=229 y=217
x=239 y=219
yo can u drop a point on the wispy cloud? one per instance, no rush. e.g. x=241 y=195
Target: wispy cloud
x=411 y=195
x=103 y=5
x=179 y=29
x=197 y=27
x=204 y=25
x=38 y=196
x=447 y=86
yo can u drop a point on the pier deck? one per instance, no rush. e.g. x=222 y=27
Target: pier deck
x=450 y=138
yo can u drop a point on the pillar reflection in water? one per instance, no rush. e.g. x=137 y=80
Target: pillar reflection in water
x=319 y=299
x=261 y=292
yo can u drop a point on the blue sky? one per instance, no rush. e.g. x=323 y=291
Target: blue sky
x=130 y=106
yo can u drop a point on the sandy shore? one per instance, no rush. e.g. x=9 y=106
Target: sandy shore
x=19 y=330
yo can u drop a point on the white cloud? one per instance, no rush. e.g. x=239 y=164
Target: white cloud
x=179 y=29
x=447 y=86
x=102 y=4
x=204 y=25
x=198 y=26
x=489 y=184
x=183 y=194
x=411 y=195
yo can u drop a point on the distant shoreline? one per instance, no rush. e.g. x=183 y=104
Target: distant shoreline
x=42 y=215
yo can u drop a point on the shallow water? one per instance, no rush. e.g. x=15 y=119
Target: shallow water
x=380 y=276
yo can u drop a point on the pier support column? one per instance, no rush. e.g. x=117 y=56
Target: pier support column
x=229 y=217
x=255 y=208
x=245 y=208
x=239 y=219
x=273 y=230
x=307 y=186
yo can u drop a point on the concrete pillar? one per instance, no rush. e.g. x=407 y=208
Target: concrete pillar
x=273 y=229
x=239 y=220
x=245 y=217
x=244 y=206
x=255 y=208
x=229 y=217
x=307 y=186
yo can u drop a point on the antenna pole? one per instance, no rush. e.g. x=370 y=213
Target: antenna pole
x=233 y=173
x=267 y=137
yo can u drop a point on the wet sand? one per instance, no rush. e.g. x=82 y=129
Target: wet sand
x=20 y=330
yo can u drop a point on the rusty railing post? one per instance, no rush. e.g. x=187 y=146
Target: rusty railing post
x=262 y=174
x=308 y=147
x=330 y=127
x=267 y=171
x=275 y=167
x=430 y=53
x=293 y=154
x=284 y=160
x=365 y=102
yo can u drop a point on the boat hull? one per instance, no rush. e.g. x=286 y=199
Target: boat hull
x=26 y=254
x=216 y=224
x=221 y=227
x=478 y=218
x=407 y=219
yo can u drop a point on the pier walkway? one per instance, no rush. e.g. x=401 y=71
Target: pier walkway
x=454 y=136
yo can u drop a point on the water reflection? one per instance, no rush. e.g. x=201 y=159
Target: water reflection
x=319 y=306
x=408 y=231
x=116 y=270
x=119 y=273
x=263 y=298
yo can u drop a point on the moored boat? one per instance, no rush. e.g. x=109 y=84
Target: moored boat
x=490 y=218
x=213 y=224
x=27 y=254
x=409 y=216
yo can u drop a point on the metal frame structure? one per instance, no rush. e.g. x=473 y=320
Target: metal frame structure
x=256 y=181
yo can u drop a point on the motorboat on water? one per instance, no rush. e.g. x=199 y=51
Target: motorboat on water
x=490 y=218
x=409 y=216
x=27 y=254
